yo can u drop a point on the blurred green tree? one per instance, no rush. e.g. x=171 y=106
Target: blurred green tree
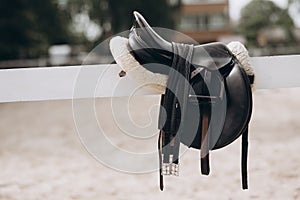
x=115 y=16
x=158 y=12
x=294 y=3
x=261 y=14
x=28 y=27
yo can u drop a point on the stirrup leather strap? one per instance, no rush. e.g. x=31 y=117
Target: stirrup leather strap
x=177 y=91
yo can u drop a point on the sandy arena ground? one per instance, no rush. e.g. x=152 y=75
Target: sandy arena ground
x=41 y=156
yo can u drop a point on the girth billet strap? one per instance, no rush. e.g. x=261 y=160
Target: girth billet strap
x=174 y=102
x=205 y=121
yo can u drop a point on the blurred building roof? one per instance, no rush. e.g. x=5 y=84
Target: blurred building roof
x=205 y=20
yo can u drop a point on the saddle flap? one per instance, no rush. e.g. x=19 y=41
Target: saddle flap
x=231 y=110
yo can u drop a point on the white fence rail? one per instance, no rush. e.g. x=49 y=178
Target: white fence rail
x=37 y=84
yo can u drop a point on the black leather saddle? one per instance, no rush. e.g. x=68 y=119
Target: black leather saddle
x=208 y=100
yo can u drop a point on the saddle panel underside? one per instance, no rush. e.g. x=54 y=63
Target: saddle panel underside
x=239 y=106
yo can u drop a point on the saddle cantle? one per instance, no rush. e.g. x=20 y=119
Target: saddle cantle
x=208 y=100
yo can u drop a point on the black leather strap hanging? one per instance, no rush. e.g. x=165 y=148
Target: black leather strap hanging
x=245 y=159
x=174 y=102
x=161 y=178
x=205 y=114
x=204 y=152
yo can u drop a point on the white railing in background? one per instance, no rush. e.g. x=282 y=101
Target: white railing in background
x=56 y=83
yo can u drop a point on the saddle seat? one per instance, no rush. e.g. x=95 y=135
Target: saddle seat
x=149 y=47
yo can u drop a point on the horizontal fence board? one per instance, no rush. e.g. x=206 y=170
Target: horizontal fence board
x=95 y=81
x=58 y=83
x=277 y=71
